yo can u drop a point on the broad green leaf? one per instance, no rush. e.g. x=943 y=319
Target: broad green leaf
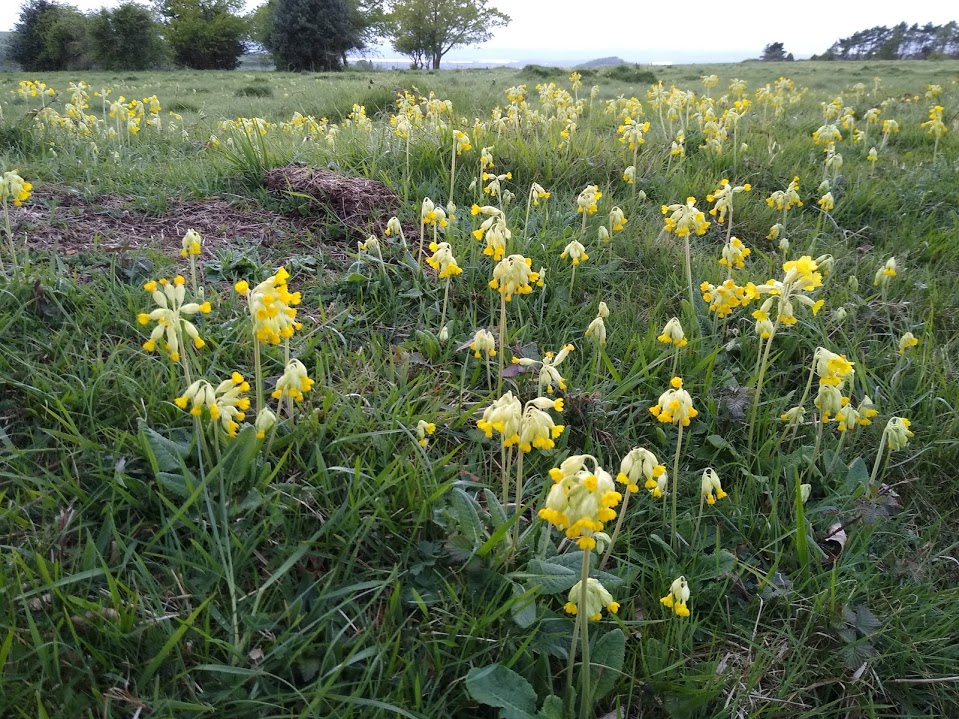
x=523 y=610
x=164 y=454
x=552 y=578
x=497 y=686
x=606 y=659
x=552 y=708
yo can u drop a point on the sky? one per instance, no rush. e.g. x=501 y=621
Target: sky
x=691 y=31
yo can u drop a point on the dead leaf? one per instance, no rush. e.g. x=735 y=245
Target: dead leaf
x=256 y=655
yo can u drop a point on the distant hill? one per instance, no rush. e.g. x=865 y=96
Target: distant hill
x=602 y=62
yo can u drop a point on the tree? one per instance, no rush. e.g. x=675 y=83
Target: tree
x=774 y=52
x=313 y=35
x=205 y=34
x=126 y=38
x=425 y=30
x=49 y=36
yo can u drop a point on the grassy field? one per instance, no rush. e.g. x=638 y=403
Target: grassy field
x=374 y=553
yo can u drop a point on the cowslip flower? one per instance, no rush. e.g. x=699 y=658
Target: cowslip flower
x=898 y=433
x=631 y=133
x=678 y=597
x=872 y=156
x=597 y=599
x=271 y=307
x=710 y=484
x=734 y=254
x=512 y=275
x=575 y=252
x=442 y=260
x=934 y=125
x=673 y=333
x=640 y=463
x=537 y=427
x=265 y=420
x=597 y=328
x=503 y=417
x=190 y=244
x=294 y=382
x=424 y=430
x=549 y=376
x=586 y=202
x=675 y=406
x=800 y=276
x=483 y=343
x=723 y=198
x=461 y=142
x=629 y=175
x=171 y=316
x=581 y=501
x=231 y=405
x=724 y=298
x=885 y=273
x=13 y=187
x=906 y=341
x=537 y=193
x=831 y=368
x=827 y=135
x=617 y=220
x=682 y=220
x=783 y=200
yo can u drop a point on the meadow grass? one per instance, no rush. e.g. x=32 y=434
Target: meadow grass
x=342 y=569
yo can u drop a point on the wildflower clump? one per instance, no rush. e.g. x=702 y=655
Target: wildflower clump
x=271 y=306
x=171 y=316
x=678 y=597
x=675 y=406
x=581 y=500
x=512 y=275
x=597 y=599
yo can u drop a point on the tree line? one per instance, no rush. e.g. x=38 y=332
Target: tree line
x=900 y=42
x=300 y=35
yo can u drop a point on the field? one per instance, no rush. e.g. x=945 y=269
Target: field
x=374 y=518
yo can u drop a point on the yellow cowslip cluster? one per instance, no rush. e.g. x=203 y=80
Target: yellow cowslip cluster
x=675 y=405
x=191 y=244
x=885 y=273
x=271 y=307
x=678 y=597
x=586 y=202
x=549 y=376
x=265 y=421
x=684 y=220
x=617 y=220
x=493 y=230
x=934 y=125
x=673 y=334
x=898 y=433
x=581 y=501
x=827 y=135
x=711 y=488
x=424 y=430
x=826 y=202
x=629 y=175
x=631 y=133
x=575 y=252
x=225 y=402
x=800 y=276
x=527 y=427
x=831 y=368
x=834 y=372
x=537 y=193
x=495 y=186
x=512 y=275
x=28 y=88
x=293 y=383
x=784 y=200
x=734 y=254
x=640 y=463
x=442 y=260
x=597 y=598
x=907 y=341
x=596 y=331
x=483 y=343
x=461 y=142
x=723 y=198
x=432 y=214
x=170 y=316
x=13 y=187
x=724 y=298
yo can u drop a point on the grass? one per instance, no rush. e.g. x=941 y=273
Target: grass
x=344 y=570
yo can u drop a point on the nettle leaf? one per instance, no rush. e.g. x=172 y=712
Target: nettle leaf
x=607 y=657
x=497 y=686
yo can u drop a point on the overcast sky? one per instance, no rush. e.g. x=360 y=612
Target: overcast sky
x=647 y=31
